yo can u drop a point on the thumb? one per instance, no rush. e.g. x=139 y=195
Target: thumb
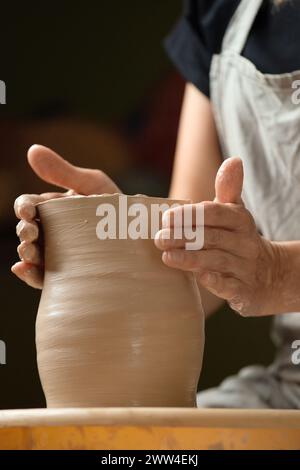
x=229 y=181
x=52 y=168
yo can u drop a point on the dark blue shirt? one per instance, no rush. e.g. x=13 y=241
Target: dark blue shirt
x=273 y=44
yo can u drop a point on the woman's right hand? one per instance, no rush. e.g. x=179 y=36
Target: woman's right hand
x=53 y=169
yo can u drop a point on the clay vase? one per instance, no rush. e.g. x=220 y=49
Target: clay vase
x=115 y=326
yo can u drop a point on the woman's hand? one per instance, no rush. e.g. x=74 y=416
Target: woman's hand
x=235 y=263
x=55 y=170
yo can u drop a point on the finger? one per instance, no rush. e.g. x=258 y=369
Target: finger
x=214 y=238
x=53 y=169
x=228 y=216
x=206 y=260
x=32 y=275
x=25 y=205
x=27 y=231
x=165 y=240
x=30 y=253
x=229 y=181
x=51 y=195
x=225 y=216
x=188 y=215
x=227 y=288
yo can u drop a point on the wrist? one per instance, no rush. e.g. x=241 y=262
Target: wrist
x=285 y=273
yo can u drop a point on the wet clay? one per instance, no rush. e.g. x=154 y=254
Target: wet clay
x=115 y=326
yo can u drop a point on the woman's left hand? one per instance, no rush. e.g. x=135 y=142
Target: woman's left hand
x=235 y=263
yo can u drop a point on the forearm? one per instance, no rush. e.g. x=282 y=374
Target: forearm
x=197 y=156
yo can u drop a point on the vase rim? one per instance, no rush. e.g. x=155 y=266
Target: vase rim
x=80 y=197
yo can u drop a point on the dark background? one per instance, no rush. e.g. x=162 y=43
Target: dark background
x=92 y=81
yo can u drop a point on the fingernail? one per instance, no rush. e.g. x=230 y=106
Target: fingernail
x=176 y=257
x=20 y=227
x=28 y=253
x=28 y=211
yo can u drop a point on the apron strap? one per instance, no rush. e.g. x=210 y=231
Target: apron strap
x=240 y=25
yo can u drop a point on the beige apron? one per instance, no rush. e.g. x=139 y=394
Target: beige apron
x=258 y=121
